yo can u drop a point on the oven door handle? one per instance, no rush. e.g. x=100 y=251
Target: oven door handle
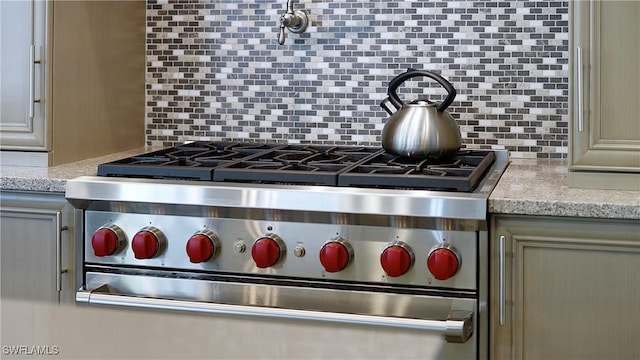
x=457 y=328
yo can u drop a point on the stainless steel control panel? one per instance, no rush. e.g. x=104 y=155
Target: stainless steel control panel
x=300 y=246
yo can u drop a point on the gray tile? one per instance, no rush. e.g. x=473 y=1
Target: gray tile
x=215 y=70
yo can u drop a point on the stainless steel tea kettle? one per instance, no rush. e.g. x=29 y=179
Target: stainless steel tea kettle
x=419 y=129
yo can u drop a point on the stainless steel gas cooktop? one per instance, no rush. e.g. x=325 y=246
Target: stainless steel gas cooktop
x=317 y=232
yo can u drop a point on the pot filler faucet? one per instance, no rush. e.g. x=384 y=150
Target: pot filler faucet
x=295 y=20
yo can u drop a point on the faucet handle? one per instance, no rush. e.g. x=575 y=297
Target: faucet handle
x=281 y=35
x=294 y=20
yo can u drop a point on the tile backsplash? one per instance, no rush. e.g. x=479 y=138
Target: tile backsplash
x=215 y=70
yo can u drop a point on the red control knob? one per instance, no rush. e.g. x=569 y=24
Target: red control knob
x=201 y=247
x=396 y=260
x=145 y=244
x=443 y=263
x=267 y=251
x=106 y=240
x=335 y=256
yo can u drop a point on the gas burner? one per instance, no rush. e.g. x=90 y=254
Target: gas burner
x=295 y=164
x=182 y=161
x=325 y=165
x=460 y=172
x=193 y=161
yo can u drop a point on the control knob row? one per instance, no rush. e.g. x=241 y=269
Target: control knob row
x=149 y=242
x=396 y=259
x=335 y=255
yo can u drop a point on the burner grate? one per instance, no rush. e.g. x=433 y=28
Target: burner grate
x=193 y=161
x=325 y=165
x=461 y=172
x=295 y=164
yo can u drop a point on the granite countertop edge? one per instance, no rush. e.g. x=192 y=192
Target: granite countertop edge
x=540 y=187
x=528 y=187
x=54 y=179
x=564 y=208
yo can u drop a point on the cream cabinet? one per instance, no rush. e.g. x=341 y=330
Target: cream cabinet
x=37 y=247
x=605 y=103
x=564 y=288
x=73 y=79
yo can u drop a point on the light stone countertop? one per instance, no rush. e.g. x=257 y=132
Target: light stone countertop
x=540 y=187
x=528 y=187
x=54 y=179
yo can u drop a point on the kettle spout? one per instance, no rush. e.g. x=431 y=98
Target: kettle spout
x=388 y=106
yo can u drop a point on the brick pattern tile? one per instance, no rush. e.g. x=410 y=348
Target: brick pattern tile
x=215 y=70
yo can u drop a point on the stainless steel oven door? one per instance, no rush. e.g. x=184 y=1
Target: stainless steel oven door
x=449 y=323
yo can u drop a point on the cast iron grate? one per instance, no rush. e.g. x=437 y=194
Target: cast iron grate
x=326 y=165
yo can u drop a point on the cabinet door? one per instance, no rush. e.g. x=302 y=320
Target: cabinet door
x=569 y=289
x=606 y=86
x=604 y=142
x=36 y=247
x=22 y=40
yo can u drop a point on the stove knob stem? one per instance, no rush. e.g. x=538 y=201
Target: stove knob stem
x=443 y=261
x=108 y=240
x=335 y=255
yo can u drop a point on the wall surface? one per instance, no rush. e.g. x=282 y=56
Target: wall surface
x=216 y=71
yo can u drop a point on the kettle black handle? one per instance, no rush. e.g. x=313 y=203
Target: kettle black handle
x=410 y=73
